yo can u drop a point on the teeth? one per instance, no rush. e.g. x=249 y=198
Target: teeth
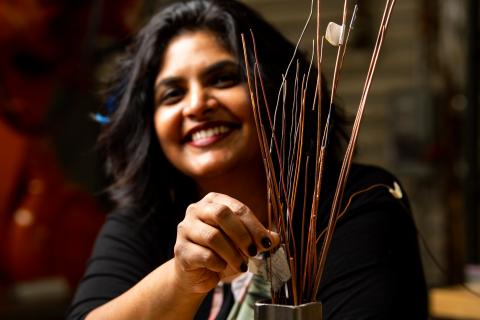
x=204 y=134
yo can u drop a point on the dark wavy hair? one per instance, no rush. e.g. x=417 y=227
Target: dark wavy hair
x=142 y=176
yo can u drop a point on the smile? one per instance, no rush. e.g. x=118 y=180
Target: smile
x=205 y=134
x=208 y=136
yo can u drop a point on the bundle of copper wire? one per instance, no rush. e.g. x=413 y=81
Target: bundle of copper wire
x=306 y=260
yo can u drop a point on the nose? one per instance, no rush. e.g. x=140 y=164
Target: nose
x=198 y=103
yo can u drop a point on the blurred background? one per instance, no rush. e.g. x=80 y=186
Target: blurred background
x=421 y=123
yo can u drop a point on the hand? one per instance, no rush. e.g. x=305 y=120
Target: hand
x=214 y=241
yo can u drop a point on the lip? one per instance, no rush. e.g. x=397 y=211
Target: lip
x=228 y=127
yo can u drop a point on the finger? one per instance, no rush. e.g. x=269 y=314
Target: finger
x=192 y=256
x=221 y=216
x=216 y=240
x=228 y=274
x=263 y=238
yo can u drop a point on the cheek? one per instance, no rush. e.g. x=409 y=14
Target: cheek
x=238 y=101
x=167 y=127
x=245 y=112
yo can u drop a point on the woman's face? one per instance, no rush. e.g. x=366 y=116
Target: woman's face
x=203 y=117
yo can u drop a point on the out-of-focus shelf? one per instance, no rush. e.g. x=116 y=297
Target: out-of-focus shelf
x=41 y=299
x=455 y=303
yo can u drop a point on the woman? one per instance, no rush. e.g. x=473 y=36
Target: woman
x=182 y=148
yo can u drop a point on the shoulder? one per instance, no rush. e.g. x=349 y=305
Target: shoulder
x=374 y=261
x=365 y=175
x=126 y=232
x=371 y=186
x=375 y=202
x=121 y=227
x=126 y=220
x=372 y=195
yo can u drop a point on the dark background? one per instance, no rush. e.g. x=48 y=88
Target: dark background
x=421 y=123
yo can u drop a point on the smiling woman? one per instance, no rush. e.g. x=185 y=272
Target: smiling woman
x=203 y=117
x=190 y=186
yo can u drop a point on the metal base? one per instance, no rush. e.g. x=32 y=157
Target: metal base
x=267 y=311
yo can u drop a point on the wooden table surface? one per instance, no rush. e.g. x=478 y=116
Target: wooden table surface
x=455 y=302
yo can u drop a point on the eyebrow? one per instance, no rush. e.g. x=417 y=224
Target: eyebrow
x=218 y=66
x=211 y=69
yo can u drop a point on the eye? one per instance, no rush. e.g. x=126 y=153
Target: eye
x=225 y=80
x=171 y=96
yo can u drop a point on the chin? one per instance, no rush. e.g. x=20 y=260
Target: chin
x=212 y=169
x=210 y=172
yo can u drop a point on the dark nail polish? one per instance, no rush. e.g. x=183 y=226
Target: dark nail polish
x=252 y=250
x=243 y=267
x=266 y=242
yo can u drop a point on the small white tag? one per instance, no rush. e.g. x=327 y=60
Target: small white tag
x=335 y=34
x=396 y=191
x=280 y=268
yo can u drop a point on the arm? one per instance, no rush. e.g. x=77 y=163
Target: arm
x=212 y=243
x=171 y=300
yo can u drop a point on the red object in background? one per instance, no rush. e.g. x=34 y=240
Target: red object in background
x=26 y=23
x=119 y=18
x=42 y=44
x=48 y=27
x=47 y=226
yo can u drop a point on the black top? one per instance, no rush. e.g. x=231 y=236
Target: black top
x=373 y=270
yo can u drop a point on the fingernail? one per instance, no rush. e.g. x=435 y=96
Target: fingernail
x=243 y=267
x=252 y=250
x=266 y=242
